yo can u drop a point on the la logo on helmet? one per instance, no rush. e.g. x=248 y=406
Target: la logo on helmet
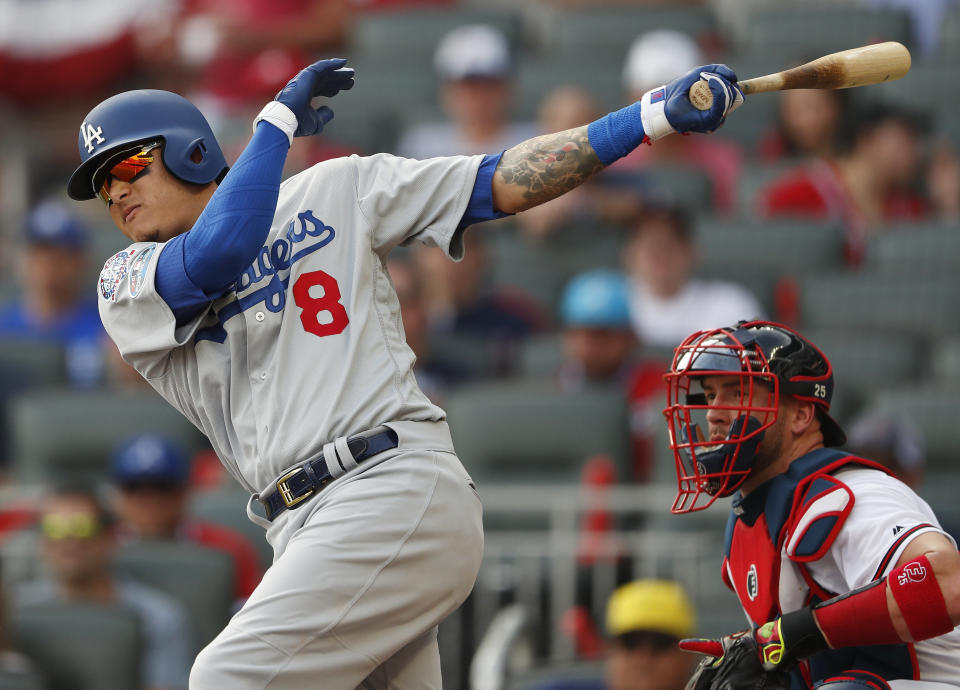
x=91 y=135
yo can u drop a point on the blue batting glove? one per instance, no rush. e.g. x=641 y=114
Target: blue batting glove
x=324 y=78
x=668 y=109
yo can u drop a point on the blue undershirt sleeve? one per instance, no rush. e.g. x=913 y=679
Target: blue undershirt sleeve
x=199 y=265
x=480 y=207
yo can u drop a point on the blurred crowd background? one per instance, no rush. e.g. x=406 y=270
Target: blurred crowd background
x=123 y=546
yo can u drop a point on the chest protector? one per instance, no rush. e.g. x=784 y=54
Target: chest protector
x=775 y=531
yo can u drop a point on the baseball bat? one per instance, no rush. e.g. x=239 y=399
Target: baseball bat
x=855 y=67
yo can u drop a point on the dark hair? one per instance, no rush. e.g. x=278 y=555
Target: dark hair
x=672 y=215
x=842 y=100
x=88 y=492
x=869 y=116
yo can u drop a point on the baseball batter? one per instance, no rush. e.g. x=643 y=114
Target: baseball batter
x=263 y=312
x=844 y=573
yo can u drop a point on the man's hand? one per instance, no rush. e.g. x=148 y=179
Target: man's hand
x=668 y=109
x=324 y=78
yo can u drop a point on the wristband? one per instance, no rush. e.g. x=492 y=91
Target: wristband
x=915 y=589
x=615 y=135
x=653 y=113
x=859 y=617
x=280 y=116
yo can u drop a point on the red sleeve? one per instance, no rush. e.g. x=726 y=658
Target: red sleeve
x=247 y=572
x=792 y=195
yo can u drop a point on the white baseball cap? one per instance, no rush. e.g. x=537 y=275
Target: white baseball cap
x=474 y=50
x=656 y=57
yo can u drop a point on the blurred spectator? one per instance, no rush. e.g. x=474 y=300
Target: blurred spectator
x=475 y=68
x=151 y=474
x=78 y=546
x=645 y=621
x=872 y=183
x=601 y=348
x=462 y=302
x=566 y=107
x=53 y=52
x=436 y=374
x=242 y=52
x=666 y=302
x=55 y=305
x=892 y=440
x=654 y=59
x=808 y=125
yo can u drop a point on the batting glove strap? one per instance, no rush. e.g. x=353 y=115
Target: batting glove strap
x=783 y=642
x=280 y=116
x=652 y=115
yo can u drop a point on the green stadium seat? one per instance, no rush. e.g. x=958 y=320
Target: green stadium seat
x=80 y=646
x=537 y=76
x=945 y=361
x=793 y=246
x=927 y=87
x=933 y=409
x=200 y=578
x=541 y=356
x=529 y=432
x=800 y=32
x=16 y=680
x=902 y=304
x=411 y=36
x=863 y=361
x=228 y=507
x=26 y=363
x=949 y=50
x=609 y=31
x=68 y=433
x=916 y=250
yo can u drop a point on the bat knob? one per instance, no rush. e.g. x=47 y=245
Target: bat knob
x=700 y=95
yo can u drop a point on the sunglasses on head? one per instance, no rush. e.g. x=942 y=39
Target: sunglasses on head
x=60 y=527
x=126 y=170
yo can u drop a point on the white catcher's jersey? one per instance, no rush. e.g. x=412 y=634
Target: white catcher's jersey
x=869 y=546
x=309 y=345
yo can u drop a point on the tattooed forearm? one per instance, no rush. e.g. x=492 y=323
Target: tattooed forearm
x=543 y=168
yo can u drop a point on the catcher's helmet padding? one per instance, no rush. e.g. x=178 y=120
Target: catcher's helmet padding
x=134 y=117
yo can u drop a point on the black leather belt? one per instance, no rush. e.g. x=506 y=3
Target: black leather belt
x=311 y=477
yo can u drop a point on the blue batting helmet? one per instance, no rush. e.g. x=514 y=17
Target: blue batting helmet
x=121 y=122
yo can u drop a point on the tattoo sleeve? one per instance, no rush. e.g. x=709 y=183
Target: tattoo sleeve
x=545 y=167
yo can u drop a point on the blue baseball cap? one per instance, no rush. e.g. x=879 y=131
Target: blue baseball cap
x=149 y=458
x=51 y=222
x=596 y=299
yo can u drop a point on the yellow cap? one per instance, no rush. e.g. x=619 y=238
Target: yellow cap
x=658 y=605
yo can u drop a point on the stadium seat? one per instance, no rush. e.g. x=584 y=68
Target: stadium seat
x=903 y=304
x=537 y=76
x=67 y=433
x=529 y=432
x=609 y=31
x=863 y=361
x=200 y=578
x=25 y=363
x=228 y=507
x=800 y=32
x=80 y=646
x=15 y=680
x=933 y=409
x=411 y=36
x=919 y=249
x=541 y=356
x=949 y=49
x=945 y=361
x=793 y=246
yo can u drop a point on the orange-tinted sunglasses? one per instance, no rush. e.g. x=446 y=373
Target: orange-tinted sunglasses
x=126 y=170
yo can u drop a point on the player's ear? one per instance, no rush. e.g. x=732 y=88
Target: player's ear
x=802 y=414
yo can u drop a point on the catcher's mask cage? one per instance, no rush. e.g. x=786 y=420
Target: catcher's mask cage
x=766 y=359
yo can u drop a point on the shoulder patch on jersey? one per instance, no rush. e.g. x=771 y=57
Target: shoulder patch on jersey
x=817 y=521
x=138 y=270
x=113 y=273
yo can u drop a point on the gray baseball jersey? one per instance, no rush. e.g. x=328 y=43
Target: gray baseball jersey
x=307 y=348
